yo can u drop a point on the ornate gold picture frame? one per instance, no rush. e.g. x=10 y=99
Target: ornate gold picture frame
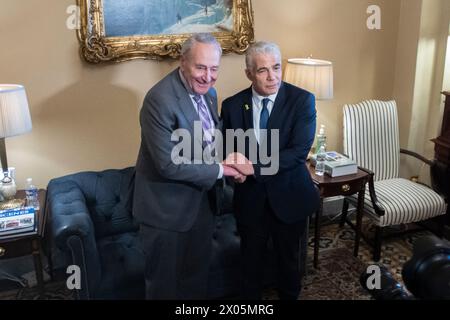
x=103 y=36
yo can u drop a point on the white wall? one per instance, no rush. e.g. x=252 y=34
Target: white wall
x=421 y=62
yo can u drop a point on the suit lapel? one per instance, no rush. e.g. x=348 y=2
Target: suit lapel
x=184 y=101
x=187 y=107
x=247 y=109
x=212 y=105
x=277 y=110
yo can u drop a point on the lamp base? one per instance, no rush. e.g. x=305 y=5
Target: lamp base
x=7 y=188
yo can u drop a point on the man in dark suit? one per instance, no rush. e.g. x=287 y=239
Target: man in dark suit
x=173 y=187
x=271 y=205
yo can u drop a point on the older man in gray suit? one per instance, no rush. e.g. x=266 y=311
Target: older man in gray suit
x=171 y=199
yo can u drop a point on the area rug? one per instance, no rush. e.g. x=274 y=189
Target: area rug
x=339 y=271
x=337 y=277
x=53 y=291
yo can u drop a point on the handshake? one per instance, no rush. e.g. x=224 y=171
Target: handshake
x=236 y=165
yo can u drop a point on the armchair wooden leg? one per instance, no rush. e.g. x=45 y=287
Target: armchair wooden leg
x=377 y=243
x=344 y=213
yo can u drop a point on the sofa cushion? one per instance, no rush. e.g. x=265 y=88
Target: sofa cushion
x=108 y=196
x=122 y=264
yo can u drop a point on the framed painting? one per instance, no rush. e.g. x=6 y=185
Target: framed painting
x=115 y=31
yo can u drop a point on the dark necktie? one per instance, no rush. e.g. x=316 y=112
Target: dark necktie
x=264 y=117
x=205 y=118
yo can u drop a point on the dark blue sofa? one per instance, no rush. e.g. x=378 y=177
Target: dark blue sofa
x=91 y=226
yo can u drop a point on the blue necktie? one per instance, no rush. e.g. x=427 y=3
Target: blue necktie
x=264 y=117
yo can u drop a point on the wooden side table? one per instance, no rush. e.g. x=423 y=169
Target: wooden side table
x=440 y=171
x=28 y=243
x=339 y=186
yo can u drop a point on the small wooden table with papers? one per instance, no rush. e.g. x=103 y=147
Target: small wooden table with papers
x=26 y=243
x=339 y=186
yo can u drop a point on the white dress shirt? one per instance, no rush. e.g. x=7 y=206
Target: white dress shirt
x=257 y=108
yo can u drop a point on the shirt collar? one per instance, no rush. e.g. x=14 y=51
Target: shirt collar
x=259 y=97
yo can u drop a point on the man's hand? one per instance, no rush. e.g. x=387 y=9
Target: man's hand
x=240 y=179
x=239 y=162
x=232 y=172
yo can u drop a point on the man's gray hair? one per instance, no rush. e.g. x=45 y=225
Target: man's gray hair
x=202 y=38
x=260 y=47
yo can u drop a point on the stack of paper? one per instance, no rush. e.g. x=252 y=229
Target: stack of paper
x=15 y=221
x=337 y=165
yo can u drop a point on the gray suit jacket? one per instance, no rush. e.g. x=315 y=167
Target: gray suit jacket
x=167 y=195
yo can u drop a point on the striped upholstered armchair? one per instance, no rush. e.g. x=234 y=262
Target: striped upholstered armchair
x=371 y=138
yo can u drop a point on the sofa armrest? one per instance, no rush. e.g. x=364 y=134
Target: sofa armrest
x=72 y=230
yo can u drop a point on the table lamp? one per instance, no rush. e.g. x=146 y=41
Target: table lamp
x=15 y=120
x=315 y=76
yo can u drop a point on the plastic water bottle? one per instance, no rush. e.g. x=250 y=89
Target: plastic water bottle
x=31 y=194
x=320 y=161
x=321 y=138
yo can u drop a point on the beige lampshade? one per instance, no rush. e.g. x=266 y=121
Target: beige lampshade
x=15 y=116
x=315 y=76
